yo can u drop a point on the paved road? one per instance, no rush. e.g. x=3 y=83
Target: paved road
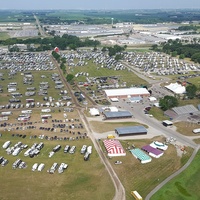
x=42 y=33
x=173 y=175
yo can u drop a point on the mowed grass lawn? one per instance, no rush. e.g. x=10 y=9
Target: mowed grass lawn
x=145 y=177
x=186 y=128
x=81 y=180
x=4 y=36
x=158 y=114
x=184 y=186
x=96 y=71
x=102 y=127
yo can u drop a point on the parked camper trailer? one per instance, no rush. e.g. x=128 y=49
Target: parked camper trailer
x=195 y=131
x=26 y=111
x=35 y=166
x=41 y=167
x=6 y=144
x=8 y=113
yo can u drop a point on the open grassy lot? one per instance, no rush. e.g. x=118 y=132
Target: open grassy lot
x=194 y=102
x=186 y=128
x=158 y=114
x=102 y=127
x=145 y=177
x=3 y=36
x=185 y=186
x=124 y=75
x=197 y=140
x=78 y=181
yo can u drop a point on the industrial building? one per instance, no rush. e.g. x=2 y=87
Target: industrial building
x=127 y=92
x=130 y=130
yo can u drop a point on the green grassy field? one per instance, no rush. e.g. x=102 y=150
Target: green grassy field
x=4 y=36
x=184 y=186
x=158 y=114
x=78 y=181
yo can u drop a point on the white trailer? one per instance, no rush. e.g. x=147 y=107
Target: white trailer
x=26 y=111
x=6 y=113
x=6 y=144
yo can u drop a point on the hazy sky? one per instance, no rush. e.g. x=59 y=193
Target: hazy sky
x=98 y=4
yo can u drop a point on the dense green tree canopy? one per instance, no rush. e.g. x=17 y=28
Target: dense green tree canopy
x=168 y=102
x=191 y=91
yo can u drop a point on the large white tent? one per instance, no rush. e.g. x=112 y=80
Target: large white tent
x=176 y=88
x=114 y=148
x=94 y=112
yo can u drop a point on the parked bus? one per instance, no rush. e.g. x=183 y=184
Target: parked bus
x=136 y=195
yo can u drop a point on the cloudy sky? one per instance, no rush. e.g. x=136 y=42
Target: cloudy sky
x=99 y=4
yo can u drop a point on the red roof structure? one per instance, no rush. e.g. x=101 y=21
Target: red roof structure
x=114 y=148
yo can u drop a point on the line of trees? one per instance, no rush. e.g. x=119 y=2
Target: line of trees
x=176 y=47
x=63 y=42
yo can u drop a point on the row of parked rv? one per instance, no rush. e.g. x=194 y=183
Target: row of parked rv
x=22 y=62
x=36 y=147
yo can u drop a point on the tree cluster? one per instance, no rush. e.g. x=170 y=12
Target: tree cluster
x=176 y=47
x=168 y=102
x=64 y=42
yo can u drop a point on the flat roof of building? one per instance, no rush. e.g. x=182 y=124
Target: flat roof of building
x=130 y=130
x=119 y=114
x=126 y=91
x=184 y=109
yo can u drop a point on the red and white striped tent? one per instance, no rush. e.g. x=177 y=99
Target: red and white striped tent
x=114 y=148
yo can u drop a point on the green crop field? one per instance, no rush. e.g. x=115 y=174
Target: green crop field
x=78 y=180
x=184 y=186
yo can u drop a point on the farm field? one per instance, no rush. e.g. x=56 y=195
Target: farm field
x=77 y=180
x=145 y=177
x=184 y=186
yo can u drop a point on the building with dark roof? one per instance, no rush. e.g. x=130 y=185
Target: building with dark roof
x=117 y=115
x=131 y=130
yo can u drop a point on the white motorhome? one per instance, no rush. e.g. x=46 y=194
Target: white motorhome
x=34 y=167
x=41 y=167
x=6 y=144
x=197 y=130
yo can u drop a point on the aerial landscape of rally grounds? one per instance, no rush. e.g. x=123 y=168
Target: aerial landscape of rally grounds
x=99 y=104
